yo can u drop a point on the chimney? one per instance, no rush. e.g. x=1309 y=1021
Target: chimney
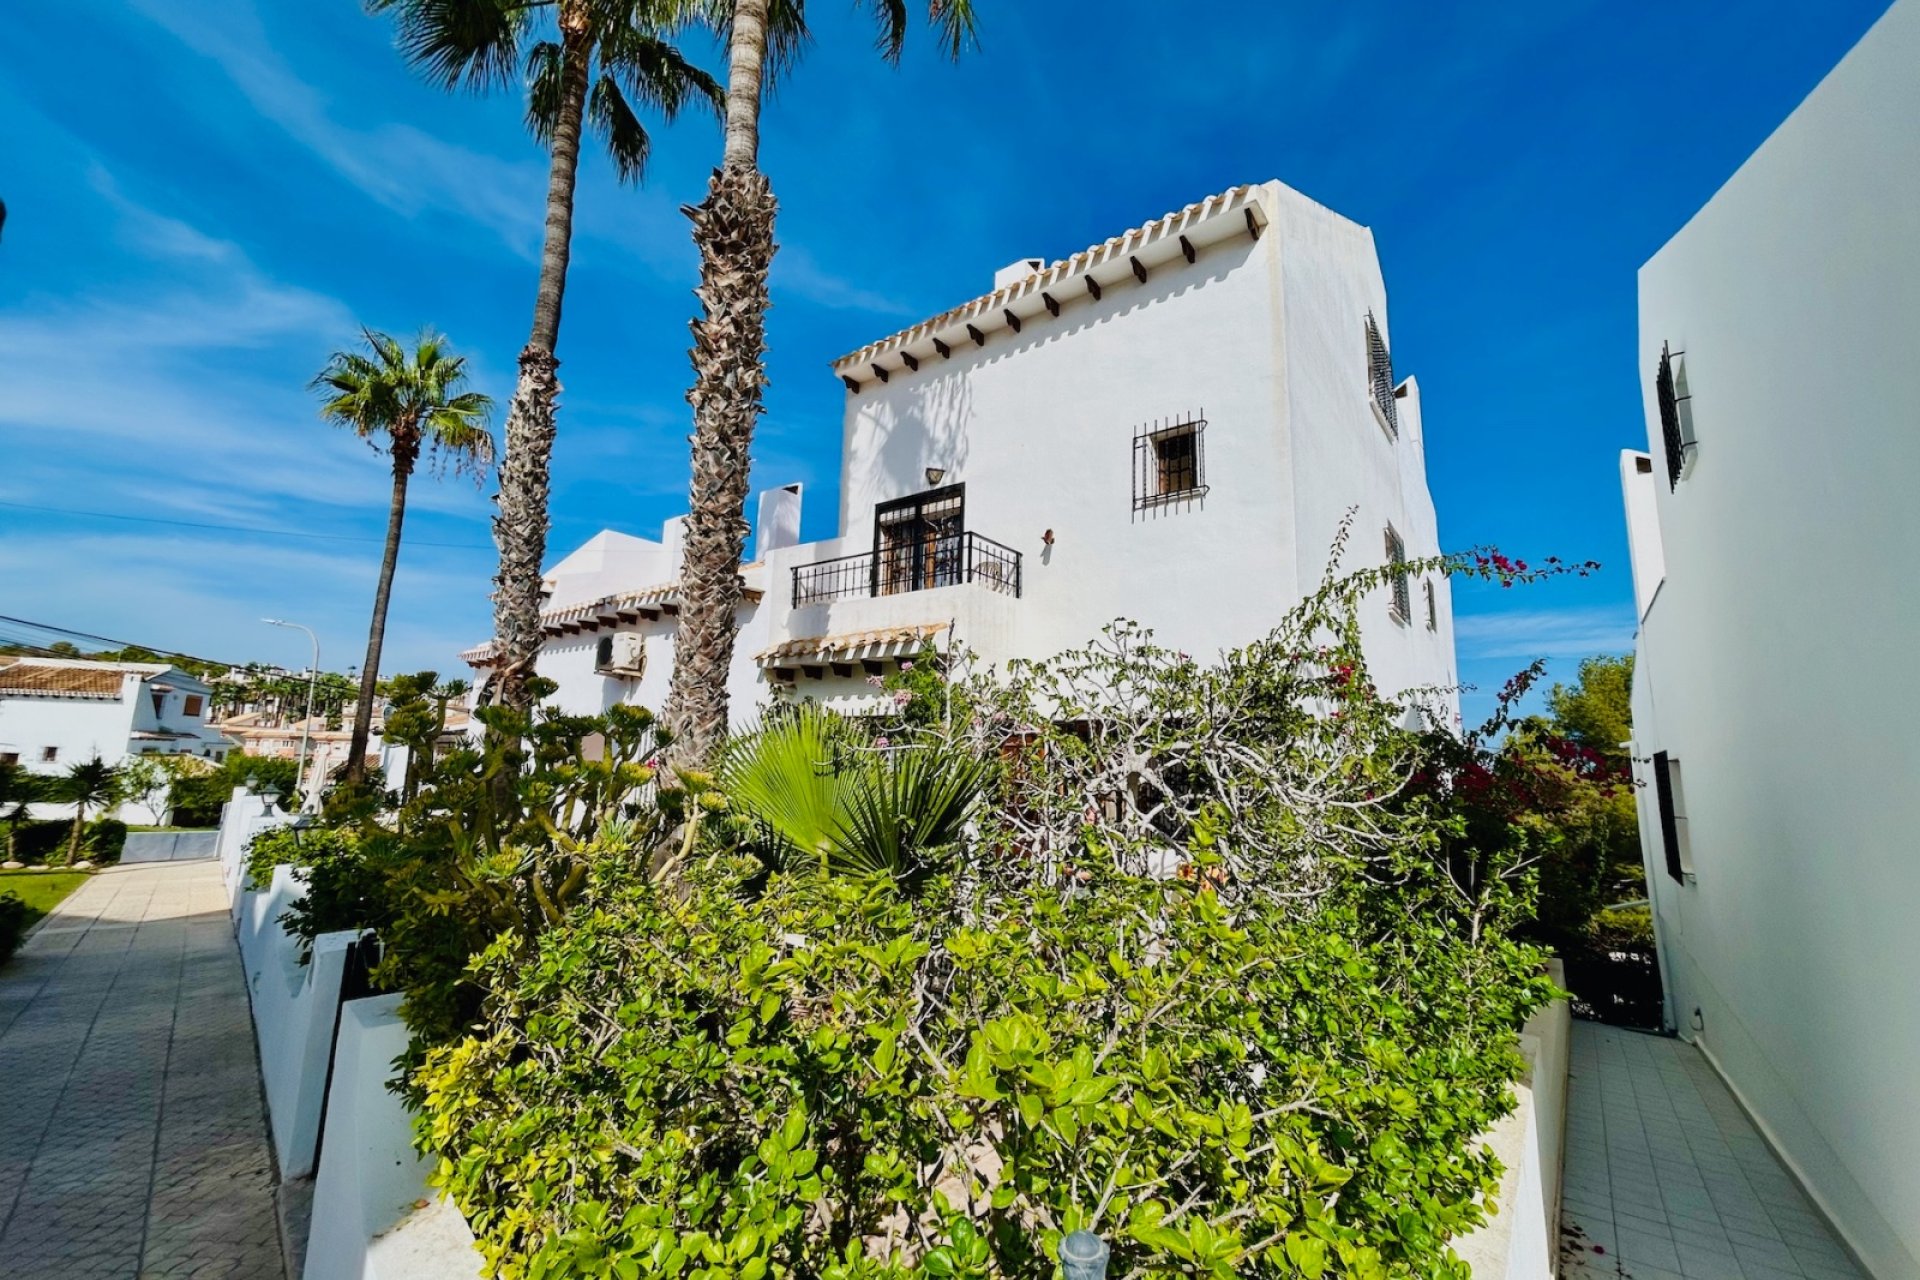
x=1017 y=272
x=779 y=523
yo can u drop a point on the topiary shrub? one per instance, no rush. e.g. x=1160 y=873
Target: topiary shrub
x=40 y=840
x=105 y=841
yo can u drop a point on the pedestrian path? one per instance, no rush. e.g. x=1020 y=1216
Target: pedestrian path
x=132 y=1137
x=1667 y=1178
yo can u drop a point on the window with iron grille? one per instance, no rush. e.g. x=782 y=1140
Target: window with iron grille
x=1402 y=587
x=1380 y=379
x=1676 y=412
x=1169 y=462
x=1433 y=610
x=1673 y=815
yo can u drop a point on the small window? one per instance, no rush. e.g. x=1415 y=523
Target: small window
x=603 y=653
x=192 y=705
x=1676 y=414
x=1433 y=610
x=49 y=754
x=1169 y=463
x=9 y=757
x=1380 y=380
x=1672 y=800
x=159 y=702
x=1402 y=587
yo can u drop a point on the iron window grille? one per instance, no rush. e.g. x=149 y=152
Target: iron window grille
x=1666 y=791
x=1676 y=412
x=1433 y=610
x=1397 y=577
x=1380 y=379
x=1169 y=462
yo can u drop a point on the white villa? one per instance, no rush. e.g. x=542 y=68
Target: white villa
x=1167 y=427
x=56 y=712
x=1775 y=682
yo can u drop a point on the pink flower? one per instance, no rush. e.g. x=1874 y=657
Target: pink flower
x=882 y=742
x=901 y=697
x=906 y=666
x=876 y=681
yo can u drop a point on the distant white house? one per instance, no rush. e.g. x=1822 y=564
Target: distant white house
x=1776 y=685
x=1167 y=427
x=57 y=712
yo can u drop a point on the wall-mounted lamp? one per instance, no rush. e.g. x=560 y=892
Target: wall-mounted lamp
x=936 y=474
x=1047 y=537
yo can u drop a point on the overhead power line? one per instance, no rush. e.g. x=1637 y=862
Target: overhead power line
x=36 y=630
x=242 y=528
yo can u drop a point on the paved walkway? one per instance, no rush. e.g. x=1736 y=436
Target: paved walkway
x=1666 y=1177
x=132 y=1138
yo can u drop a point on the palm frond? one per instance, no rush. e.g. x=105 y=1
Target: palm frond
x=472 y=44
x=543 y=90
x=653 y=72
x=955 y=24
x=891 y=18
x=627 y=141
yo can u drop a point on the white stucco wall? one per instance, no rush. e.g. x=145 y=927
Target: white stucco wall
x=1777 y=662
x=78 y=728
x=1264 y=338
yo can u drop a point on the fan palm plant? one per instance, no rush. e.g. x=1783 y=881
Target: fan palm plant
x=822 y=796
x=89 y=784
x=733 y=228
x=593 y=64
x=405 y=402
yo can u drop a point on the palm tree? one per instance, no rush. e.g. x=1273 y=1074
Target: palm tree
x=406 y=402
x=478 y=44
x=90 y=784
x=18 y=789
x=733 y=228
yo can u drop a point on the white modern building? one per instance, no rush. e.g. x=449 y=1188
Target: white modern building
x=57 y=712
x=1776 y=685
x=1168 y=427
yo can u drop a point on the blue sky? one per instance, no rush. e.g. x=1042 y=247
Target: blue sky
x=205 y=199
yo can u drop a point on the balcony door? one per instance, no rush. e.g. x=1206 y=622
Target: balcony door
x=919 y=542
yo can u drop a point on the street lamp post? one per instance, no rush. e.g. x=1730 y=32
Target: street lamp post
x=306 y=721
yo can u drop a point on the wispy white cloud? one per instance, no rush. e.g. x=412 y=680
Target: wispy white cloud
x=1544 y=633
x=402 y=167
x=796 y=270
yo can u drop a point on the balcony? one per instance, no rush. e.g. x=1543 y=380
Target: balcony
x=947 y=560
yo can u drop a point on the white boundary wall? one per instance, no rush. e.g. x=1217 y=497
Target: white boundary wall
x=1522 y=1241
x=294 y=1008
x=373 y=1216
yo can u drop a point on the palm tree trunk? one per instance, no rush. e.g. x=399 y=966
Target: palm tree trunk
x=520 y=529
x=406 y=448
x=79 y=827
x=734 y=231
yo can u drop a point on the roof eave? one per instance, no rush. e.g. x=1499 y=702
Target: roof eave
x=1233 y=213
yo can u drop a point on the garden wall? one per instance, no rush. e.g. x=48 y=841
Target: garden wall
x=373 y=1216
x=169 y=846
x=1522 y=1242
x=295 y=1006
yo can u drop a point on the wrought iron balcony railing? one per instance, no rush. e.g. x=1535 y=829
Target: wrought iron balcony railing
x=946 y=560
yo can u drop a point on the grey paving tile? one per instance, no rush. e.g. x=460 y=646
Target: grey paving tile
x=133 y=1143
x=1654 y=1250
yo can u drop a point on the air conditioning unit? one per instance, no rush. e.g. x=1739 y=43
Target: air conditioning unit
x=621 y=654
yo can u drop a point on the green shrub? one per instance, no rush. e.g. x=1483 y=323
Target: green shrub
x=105 y=841
x=40 y=840
x=1210 y=976
x=197 y=798
x=13 y=923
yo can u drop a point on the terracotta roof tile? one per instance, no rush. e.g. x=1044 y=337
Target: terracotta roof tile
x=850 y=643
